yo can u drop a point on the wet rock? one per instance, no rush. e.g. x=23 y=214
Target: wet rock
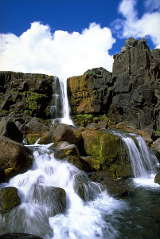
x=157 y=178
x=116 y=188
x=69 y=152
x=129 y=128
x=53 y=198
x=8 y=199
x=14 y=157
x=9 y=129
x=86 y=189
x=106 y=151
x=19 y=236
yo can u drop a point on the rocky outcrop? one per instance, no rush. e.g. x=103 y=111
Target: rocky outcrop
x=14 y=157
x=24 y=95
x=134 y=96
x=131 y=93
x=9 y=129
x=106 y=151
x=8 y=199
x=90 y=93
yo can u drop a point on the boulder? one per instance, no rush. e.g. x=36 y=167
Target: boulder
x=64 y=149
x=70 y=152
x=8 y=199
x=63 y=132
x=35 y=129
x=14 y=157
x=19 y=236
x=9 y=129
x=85 y=188
x=106 y=151
x=157 y=178
x=53 y=198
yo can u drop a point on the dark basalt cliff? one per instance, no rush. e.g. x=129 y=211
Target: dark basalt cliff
x=131 y=93
x=24 y=96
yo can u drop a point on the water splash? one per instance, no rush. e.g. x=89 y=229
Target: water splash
x=82 y=218
x=144 y=163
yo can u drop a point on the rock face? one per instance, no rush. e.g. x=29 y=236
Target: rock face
x=14 y=157
x=27 y=95
x=106 y=151
x=90 y=93
x=9 y=129
x=131 y=93
x=8 y=199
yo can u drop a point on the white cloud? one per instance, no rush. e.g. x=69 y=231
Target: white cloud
x=132 y=26
x=60 y=53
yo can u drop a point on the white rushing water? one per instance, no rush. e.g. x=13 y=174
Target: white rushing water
x=81 y=219
x=144 y=163
x=66 y=119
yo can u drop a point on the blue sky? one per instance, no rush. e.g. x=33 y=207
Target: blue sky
x=117 y=19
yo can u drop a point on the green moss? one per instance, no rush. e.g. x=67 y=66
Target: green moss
x=32 y=138
x=85 y=119
x=157 y=132
x=33 y=102
x=106 y=151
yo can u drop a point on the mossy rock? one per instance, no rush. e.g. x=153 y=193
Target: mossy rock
x=32 y=138
x=85 y=119
x=106 y=151
x=8 y=199
x=34 y=102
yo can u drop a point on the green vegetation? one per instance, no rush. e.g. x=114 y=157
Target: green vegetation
x=33 y=102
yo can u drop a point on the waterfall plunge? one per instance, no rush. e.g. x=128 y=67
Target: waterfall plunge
x=66 y=119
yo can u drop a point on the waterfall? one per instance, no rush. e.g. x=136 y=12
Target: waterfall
x=144 y=163
x=81 y=218
x=66 y=119
x=56 y=103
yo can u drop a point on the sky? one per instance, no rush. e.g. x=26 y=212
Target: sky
x=67 y=37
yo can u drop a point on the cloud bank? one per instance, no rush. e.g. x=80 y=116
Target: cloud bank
x=59 y=53
x=133 y=26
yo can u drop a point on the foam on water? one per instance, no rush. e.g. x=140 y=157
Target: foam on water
x=146 y=182
x=82 y=219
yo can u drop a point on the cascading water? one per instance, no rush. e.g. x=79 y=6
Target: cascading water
x=66 y=119
x=81 y=218
x=144 y=163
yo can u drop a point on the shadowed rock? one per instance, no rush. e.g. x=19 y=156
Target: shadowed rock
x=8 y=199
